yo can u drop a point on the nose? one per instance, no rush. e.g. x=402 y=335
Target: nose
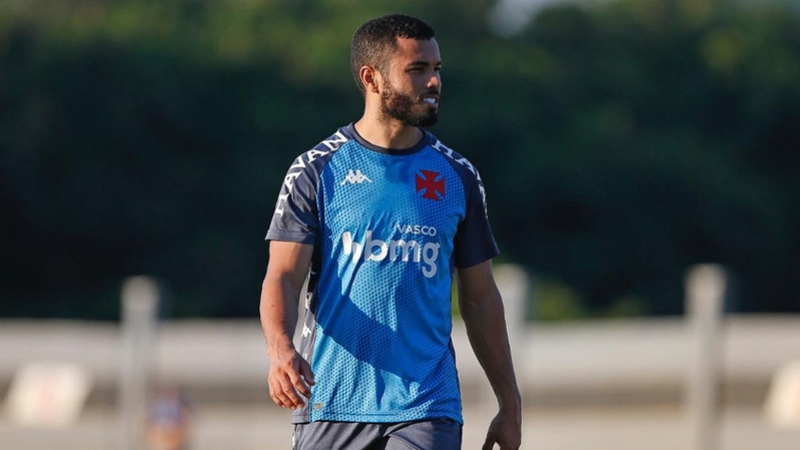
x=435 y=81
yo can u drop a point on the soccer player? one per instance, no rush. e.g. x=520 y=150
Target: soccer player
x=380 y=217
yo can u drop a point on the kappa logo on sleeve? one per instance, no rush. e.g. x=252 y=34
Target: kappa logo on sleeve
x=431 y=184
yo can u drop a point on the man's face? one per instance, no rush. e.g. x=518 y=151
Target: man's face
x=412 y=84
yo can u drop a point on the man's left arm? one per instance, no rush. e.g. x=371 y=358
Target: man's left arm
x=482 y=310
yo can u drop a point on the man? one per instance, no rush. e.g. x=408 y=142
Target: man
x=381 y=213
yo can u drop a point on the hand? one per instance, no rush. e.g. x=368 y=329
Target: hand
x=289 y=377
x=505 y=431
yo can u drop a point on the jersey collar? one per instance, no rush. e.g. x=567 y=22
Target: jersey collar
x=350 y=131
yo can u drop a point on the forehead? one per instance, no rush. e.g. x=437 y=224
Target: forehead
x=417 y=50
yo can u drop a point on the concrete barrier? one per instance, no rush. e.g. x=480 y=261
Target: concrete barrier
x=643 y=359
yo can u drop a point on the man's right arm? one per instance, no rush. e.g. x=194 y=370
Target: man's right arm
x=289 y=374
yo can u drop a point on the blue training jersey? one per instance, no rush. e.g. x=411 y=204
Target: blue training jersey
x=388 y=227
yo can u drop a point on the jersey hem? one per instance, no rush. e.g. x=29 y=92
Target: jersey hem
x=376 y=418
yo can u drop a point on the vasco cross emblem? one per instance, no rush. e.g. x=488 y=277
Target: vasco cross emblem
x=431 y=184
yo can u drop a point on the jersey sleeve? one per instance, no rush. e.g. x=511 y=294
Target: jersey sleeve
x=295 y=218
x=474 y=241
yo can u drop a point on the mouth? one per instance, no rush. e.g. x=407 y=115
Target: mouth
x=431 y=100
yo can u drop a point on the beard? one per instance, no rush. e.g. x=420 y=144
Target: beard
x=401 y=107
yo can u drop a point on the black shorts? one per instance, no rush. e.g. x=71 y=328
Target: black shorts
x=437 y=434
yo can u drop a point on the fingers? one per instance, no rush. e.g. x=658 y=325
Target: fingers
x=278 y=396
x=490 y=442
x=299 y=384
x=284 y=391
x=289 y=382
x=284 y=394
x=504 y=434
x=303 y=378
x=306 y=373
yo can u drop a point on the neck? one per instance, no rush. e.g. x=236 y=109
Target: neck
x=391 y=134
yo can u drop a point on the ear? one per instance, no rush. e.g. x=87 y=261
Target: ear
x=370 y=77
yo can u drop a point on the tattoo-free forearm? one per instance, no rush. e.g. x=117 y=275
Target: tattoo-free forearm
x=488 y=336
x=289 y=375
x=278 y=311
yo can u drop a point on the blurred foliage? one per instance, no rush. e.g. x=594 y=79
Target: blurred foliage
x=620 y=143
x=555 y=301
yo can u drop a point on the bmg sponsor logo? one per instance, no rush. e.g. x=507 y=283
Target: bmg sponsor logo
x=395 y=250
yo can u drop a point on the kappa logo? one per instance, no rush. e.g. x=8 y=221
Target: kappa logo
x=355 y=177
x=431 y=184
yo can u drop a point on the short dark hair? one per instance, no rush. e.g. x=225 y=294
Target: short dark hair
x=376 y=40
